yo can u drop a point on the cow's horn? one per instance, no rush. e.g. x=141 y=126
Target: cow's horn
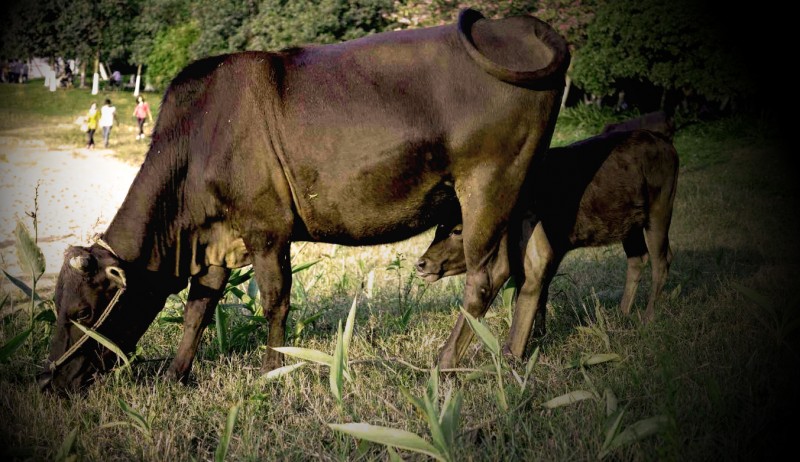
x=79 y=263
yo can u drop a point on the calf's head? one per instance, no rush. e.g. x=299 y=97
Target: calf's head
x=445 y=255
x=91 y=281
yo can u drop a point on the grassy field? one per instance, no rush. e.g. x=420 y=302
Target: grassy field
x=715 y=377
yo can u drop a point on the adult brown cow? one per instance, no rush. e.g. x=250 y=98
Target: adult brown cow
x=364 y=142
x=615 y=187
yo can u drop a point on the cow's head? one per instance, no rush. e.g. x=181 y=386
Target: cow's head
x=89 y=280
x=445 y=255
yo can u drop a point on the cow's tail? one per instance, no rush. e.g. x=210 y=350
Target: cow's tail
x=521 y=50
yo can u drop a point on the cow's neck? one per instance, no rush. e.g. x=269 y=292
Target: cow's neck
x=147 y=229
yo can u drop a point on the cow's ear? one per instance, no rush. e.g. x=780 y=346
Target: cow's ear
x=80 y=259
x=116 y=275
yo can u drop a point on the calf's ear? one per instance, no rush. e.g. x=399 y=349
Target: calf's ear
x=116 y=275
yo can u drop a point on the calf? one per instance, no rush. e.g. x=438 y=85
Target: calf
x=615 y=187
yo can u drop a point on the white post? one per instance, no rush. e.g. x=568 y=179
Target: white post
x=138 y=80
x=53 y=81
x=47 y=78
x=95 y=83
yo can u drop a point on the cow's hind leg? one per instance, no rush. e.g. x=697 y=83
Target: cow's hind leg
x=205 y=291
x=636 y=252
x=274 y=276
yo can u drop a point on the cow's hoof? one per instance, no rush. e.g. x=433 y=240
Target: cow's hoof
x=178 y=376
x=510 y=357
x=446 y=361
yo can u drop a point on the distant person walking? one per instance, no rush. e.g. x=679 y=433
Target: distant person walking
x=92 y=120
x=108 y=115
x=142 y=112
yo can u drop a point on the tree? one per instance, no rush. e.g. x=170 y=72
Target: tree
x=30 y=29
x=220 y=23
x=679 y=45
x=170 y=52
x=280 y=24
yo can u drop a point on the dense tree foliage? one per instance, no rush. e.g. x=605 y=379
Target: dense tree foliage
x=680 y=46
x=677 y=45
x=280 y=24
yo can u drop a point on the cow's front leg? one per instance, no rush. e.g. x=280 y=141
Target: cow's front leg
x=274 y=276
x=205 y=291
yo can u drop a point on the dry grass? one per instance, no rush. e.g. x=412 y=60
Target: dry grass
x=714 y=362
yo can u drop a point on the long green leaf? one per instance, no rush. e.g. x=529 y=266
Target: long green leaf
x=66 y=446
x=483 y=333
x=46 y=315
x=22 y=286
x=450 y=420
x=29 y=254
x=138 y=420
x=13 y=345
x=600 y=358
x=508 y=291
x=281 y=371
x=221 y=318
x=307 y=354
x=568 y=398
x=393 y=456
x=348 y=328
x=611 y=401
x=638 y=431
x=612 y=428
x=755 y=297
x=225 y=438
x=529 y=365
x=481 y=371
x=337 y=366
x=416 y=402
x=594 y=359
x=304 y=266
x=105 y=342
x=390 y=437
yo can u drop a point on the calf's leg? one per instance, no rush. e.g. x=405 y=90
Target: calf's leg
x=636 y=251
x=205 y=291
x=660 y=260
x=540 y=262
x=486 y=254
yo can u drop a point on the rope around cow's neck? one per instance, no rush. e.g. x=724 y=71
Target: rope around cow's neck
x=53 y=365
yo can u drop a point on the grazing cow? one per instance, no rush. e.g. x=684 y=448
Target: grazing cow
x=617 y=187
x=659 y=122
x=363 y=142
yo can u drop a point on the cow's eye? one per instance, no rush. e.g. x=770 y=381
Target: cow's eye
x=84 y=314
x=455 y=232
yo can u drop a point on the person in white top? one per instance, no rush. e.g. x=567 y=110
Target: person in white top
x=108 y=115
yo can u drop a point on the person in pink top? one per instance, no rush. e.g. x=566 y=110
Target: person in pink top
x=142 y=112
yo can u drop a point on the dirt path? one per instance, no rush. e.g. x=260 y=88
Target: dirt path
x=79 y=193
